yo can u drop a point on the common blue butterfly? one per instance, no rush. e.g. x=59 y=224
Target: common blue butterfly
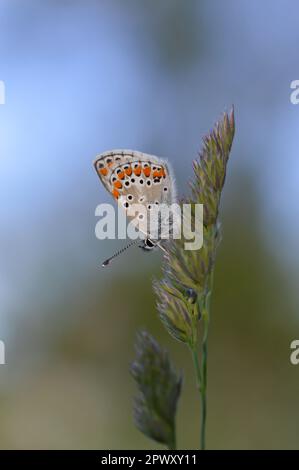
x=133 y=177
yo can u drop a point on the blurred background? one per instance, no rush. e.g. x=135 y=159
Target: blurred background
x=82 y=77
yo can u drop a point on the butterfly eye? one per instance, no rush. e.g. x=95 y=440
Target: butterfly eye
x=149 y=243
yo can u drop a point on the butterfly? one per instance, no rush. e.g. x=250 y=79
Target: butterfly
x=133 y=177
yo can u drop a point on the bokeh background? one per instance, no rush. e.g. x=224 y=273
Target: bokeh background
x=86 y=76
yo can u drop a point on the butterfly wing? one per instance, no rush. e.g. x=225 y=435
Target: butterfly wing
x=134 y=177
x=106 y=162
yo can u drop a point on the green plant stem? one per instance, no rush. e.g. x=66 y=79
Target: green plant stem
x=203 y=388
x=195 y=357
x=201 y=366
x=194 y=352
x=172 y=445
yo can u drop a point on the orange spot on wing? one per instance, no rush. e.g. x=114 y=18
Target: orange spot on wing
x=117 y=184
x=128 y=171
x=110 y=163
x=137 y=171
x=115 y=193
x=158 y=173
x=104 y=171
x=121 y=175
x=147 y=171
